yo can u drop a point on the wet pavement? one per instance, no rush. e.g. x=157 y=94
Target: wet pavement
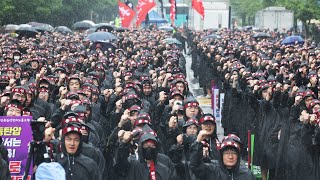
x=205 y=103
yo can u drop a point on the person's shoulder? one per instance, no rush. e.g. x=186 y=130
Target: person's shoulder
x=245 y=171
x=87 y=160
x=163 y=156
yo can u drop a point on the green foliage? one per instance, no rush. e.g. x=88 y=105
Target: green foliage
x=56 y=12
x=246 y=9
x=304 y=10
x=268 y=3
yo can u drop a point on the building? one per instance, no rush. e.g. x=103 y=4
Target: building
x=216 y=15
x=274 y=18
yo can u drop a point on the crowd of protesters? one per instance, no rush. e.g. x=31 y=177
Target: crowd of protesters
x=271 y=89
x=125 y=111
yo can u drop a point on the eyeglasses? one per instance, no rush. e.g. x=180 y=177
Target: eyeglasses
x=230 y=153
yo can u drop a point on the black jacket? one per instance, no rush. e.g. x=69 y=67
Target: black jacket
x=215 y=171
x=137 y=169
x=79 y=167
x=4 y=170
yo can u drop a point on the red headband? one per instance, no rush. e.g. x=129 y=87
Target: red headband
x=70 y=120
x=44 y=90
x=193 y=104
x=19 y=90
x=207 y=118
x=192 y=121
x=141 y=121
x=144 y=116
x=230 y=143
x=13 y=105
x=132 y=96
x=231 y=136
x=70 y=129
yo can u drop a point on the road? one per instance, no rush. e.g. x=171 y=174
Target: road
x=204 y=102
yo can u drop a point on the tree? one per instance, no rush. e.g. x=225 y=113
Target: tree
x=268 y=3
x=56 y=12
x=21 y=11
x=5 y=7
x=246 y=9
x=304 y=10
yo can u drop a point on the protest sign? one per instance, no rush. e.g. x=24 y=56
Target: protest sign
x=16 y=134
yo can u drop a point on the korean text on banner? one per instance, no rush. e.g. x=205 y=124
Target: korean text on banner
x=216 y=107
x=16 y=134
x=221 y=104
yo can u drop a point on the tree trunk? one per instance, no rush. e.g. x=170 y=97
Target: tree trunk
x=295 y=24
x=244 y=18
x=307 y=27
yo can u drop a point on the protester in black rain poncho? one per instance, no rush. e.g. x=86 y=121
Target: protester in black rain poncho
x=267 y=67
x=75 y=164
x=179 y=153
x=227 y=167
x=146 y=166
x=112 y=90
x=299 y=152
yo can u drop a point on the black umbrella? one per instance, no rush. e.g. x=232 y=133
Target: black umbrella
x=63 y=29
x=44 y=27
x=82 y=25
x=101 y=36
x=91 y=30
x=11 y=27
x=26 y=30
x=103 y=26
x=261 y=35
x=122 y=29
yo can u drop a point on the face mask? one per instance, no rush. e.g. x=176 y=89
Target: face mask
x=16 y=57
x=149 y=153
x=3 y=85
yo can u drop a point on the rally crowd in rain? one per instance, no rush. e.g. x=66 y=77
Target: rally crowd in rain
x=123 y=109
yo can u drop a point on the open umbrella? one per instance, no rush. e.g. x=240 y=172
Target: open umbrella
x=211 y=36
x=26 y=30
x=33 y=24
x=91 y=30
x=122 y=29
x=290 y=40
x=261 y=35
x=172 y=41
x=44 y=27
x=11 y=27
x=24 y=25
x=82 y=25
x=63 y=29
x=102 y=26
x=89 y=21
x=166 y=28
x=101 y=36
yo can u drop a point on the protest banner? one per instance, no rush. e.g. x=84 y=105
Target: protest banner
x=221 y=104
x=16 y=134
x=216 y=107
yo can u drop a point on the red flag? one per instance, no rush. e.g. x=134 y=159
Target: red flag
x=143 y=7
x=126 y=14
x=198 y=6
x=172 y=11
